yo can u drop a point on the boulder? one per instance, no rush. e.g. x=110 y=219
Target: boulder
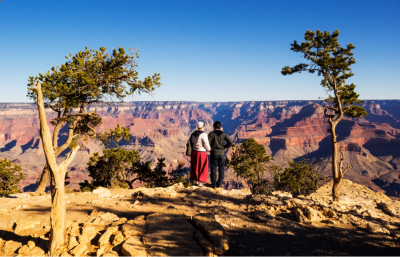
x=118 y=238
x=133 y=247
x=102 y=192
x=90 y=230
x=36 y=251
x=312 y=214
x=135 y=228
x=204 y=243
x=263 y=215
x=376 y=229
x=79 y=250
x=10 y=247
x=105 y=238
x=299 y=215
x=72 y=242
x=110 y=254
x=391 y=208
x=206 y=223
x=170 y=234
x=23 y=250
x=25 y=224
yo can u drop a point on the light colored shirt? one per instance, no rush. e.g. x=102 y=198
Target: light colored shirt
x=201 y=143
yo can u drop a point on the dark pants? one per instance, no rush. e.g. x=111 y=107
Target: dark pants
x=217 y=161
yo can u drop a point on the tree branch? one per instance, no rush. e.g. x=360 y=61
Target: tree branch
x=69 y=158
x=45 y=131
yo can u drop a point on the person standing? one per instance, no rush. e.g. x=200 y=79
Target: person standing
x=199 y=157
x=219 y=141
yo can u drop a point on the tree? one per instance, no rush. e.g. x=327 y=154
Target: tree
x=300 y=177
x=88 y=77
x=112 y=169
x=178 y=175
x=10 y=175
x=156 y=177
x=330 y=60
x=249 y=161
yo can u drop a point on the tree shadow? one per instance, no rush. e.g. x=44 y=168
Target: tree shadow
x=32 y=188
x=8 y=146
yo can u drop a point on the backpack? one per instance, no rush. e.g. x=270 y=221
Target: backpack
x=189 y=146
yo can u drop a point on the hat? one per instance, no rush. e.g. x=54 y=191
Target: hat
x=200 y=124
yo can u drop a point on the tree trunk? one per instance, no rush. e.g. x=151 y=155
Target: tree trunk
x=57 y=175
x=57 y=215
x=335 y=172
x=43 y=180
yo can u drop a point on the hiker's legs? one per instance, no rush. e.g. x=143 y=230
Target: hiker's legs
x=213 y=165
x=221 y=169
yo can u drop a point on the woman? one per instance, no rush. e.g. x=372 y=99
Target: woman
x=199 y=158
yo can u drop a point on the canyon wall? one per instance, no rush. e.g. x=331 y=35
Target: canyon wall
x=289 y=130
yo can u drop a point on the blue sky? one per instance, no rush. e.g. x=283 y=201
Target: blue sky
x=216 y=50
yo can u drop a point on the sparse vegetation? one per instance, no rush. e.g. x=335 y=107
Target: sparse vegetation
x=250 y=162
x=10 y=175
x=330 y=60
x=158 y=177
x=112 y=169
x=119 y=168
x=303 y=177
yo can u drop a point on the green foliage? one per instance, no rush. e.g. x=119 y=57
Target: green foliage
x=88 y=78
x=332 y=62
x=91 y=75
x=180 y=175
x=10 y=175
x=250 y=161
x=112 y=169
x=156 y=177
x=66 y=183
x=299 y=178
x=86 y=186
x=119 y=167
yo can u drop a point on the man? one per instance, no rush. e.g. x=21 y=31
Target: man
x=217 y=140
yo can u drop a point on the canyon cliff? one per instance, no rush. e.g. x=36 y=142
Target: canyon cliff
x=289 y=130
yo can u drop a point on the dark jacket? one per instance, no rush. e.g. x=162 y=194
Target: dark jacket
x=217 y=140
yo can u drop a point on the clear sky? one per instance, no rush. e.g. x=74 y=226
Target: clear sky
x=219 y=50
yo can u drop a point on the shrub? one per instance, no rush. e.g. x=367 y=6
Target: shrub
x=302 y=177
x=158 y=177
x=250 y=162
x=10 y=175
x=113 y=169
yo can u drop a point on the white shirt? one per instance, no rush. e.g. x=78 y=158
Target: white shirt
x=201 y=143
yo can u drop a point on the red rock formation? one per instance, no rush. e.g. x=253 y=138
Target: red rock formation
x=288 y=129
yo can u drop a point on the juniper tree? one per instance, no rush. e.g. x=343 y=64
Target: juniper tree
x=331 y=61
x=250 y=161
x=301 y=177
x=113 y=168
x=89 y=77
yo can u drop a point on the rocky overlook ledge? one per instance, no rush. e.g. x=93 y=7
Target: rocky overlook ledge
x=178 y=221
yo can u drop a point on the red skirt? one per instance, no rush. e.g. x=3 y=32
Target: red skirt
x=199 y=166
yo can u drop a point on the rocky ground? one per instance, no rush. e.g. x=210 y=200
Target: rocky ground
x=203 y=221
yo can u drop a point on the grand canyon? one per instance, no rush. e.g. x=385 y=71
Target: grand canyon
x=289 y=130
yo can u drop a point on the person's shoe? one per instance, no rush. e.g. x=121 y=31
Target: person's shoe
x=212 y=186
x=201 y=184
